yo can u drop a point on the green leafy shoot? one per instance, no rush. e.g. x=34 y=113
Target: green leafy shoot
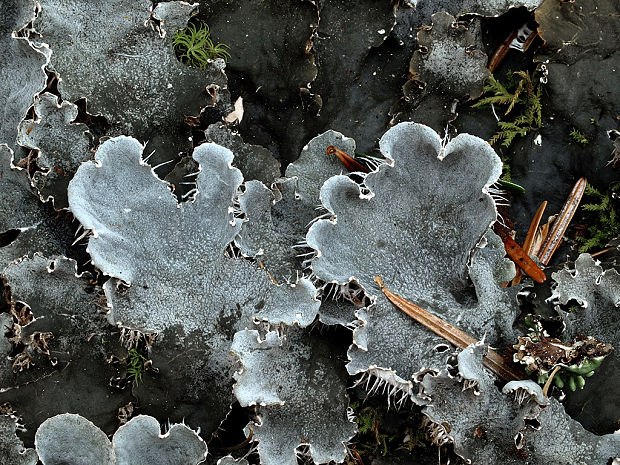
x=579 y=137
x=194 y=47
x=135 y=366
x=506 y=172
x=524 y=102
x=505 y=182
x=604 y=224
x=511 y=186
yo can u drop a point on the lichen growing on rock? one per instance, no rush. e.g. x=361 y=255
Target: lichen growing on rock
x=64 y=346
x=488 y=426
x=12 y=450
x=27 y=225
x=166 y=253
x=279 y=264
x=131 y=75
x=61 y=143
x=597 y=293
x=417 y=226
x=447 y=59
x=22 y=73
x=73 y=440
x=299 y=391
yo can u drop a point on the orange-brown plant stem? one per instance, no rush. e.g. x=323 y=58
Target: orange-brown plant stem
x=554 y=238
x=356 y=456
x=529 y=240
x=347 y=160
x=501 y=51
x=523 y=261
x=518 y=255
x=601 y=252
x=493 y=361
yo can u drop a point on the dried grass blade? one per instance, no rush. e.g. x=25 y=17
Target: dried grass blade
x=493 y=361
x=553 y=240
x=601 y=252
x=531 y=233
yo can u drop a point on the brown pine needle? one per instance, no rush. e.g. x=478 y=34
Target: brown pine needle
x=554 y=238
x=493 y=361
x=531 y=233
x=601 y=252
x=529 y=238
x=262 y=267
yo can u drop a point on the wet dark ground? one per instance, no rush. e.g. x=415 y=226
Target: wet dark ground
x=302 y=69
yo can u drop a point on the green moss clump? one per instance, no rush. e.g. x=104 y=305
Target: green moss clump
x=368 y=425
x=525 y=100
x=604 y=224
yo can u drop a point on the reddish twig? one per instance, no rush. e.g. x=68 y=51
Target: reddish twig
x=523 y=261
x=528 y=244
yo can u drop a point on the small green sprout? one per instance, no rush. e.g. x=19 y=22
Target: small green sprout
x=573 y=377
x=505 y=181
x=135 y=366
x=579 y=137
x=194 y=47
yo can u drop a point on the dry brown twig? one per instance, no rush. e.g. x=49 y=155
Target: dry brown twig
x=452 y=334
